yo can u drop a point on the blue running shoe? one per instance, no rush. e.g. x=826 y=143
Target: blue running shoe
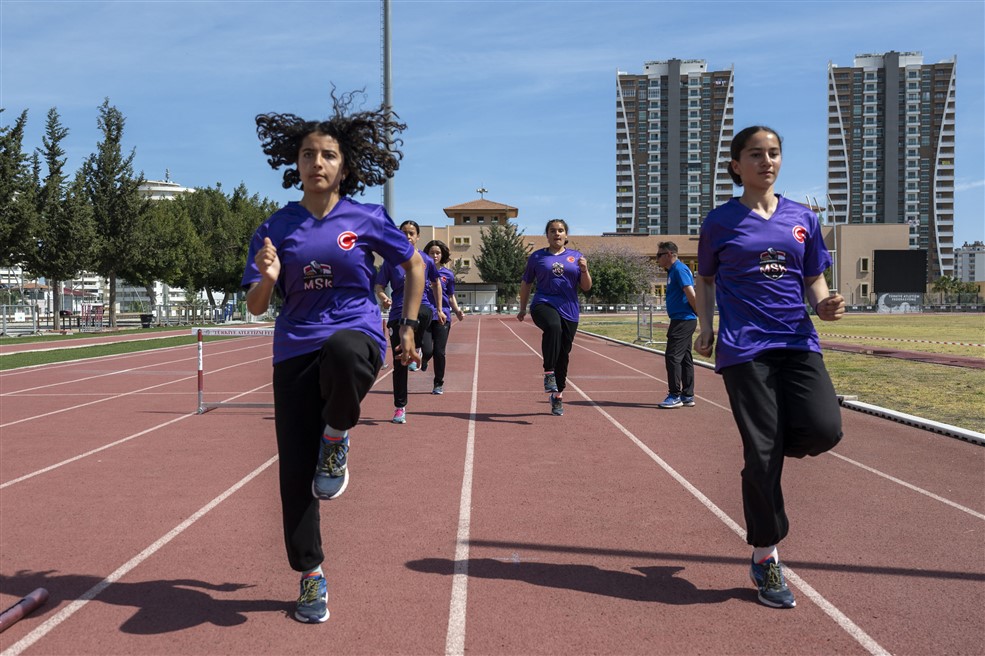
x=312 y=606
x=550 y=383
x=331 y=472
x=557 y=407
x=773 y=590
x=671 y=402
x=399 y=416
x=438 y=389
x=412 y=366
x=687 y=401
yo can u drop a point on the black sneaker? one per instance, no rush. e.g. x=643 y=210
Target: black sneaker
x=312 y=606
x=550 y=383
x=773 y=590
x=557 y=407
x=331 y=473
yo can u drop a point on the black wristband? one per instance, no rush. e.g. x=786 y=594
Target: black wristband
x=413 y=323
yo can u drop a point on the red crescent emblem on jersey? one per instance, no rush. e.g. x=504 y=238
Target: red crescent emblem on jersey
x=800 y=234
x=347 y=240
x=571 y=258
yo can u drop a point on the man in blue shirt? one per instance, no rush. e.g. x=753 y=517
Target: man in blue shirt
x=682 y=309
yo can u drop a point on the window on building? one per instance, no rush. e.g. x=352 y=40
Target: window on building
x=466 y=219
x=863 y=264
x=863 y=290
x=463 y=241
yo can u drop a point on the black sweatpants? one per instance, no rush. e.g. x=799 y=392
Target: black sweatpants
x=439 y=341
x=559 y=335
x=785 y=406
x=422 y=340
x=311 y=390
x=680 y=364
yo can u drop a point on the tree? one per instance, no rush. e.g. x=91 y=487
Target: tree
x=116 y=203
x=502 y=258
x=225 y=225
x=16 y=194
x=619 y=274
x=63 y=232
x=170 y=250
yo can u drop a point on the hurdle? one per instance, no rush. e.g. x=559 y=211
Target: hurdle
x=204 y=407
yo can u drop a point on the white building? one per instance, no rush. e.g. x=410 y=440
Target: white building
x=969 y=262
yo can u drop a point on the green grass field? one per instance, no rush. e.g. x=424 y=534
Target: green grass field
x=952 y=395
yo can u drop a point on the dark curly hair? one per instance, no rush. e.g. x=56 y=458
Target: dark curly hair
x=370 y=148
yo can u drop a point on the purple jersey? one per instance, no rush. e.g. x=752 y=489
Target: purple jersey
x=326 y=272
x=394 y=276
x=759 y=267
x=447 y=290
x=557 y=279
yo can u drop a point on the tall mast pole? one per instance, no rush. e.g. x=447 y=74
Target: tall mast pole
x=387 y=98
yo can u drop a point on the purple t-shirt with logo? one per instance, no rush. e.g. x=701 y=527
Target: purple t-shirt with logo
x=326 y=274
x=557 y=279
x=447 y=290
x=394 y=275
x=759 y=267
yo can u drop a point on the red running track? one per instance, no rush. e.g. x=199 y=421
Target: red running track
x=484 y=525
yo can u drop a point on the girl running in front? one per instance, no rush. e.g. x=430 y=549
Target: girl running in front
x=438 y=251
x=430 y=311
x=760 y=255
x=327 y=349
x=559 y=272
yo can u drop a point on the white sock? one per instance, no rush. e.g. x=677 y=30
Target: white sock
x=313 y=572
x=761 y=554
x=334 y=434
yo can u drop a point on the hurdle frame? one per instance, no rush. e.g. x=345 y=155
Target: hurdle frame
x=204 y=407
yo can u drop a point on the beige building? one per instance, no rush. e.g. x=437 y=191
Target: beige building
x=464 y=236
x=852 y=246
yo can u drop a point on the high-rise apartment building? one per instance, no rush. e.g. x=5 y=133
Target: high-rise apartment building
x=891 y=149
x=674 y=127
x=969 y=262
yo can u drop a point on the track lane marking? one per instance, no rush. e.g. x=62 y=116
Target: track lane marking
x=455 y=636
x=832 y=453
x=130 y=393
x=829 y=609
x=122 y=371
x=51 y=623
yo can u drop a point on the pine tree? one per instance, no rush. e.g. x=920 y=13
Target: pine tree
x=63 y=232
x=502 y=258
x=16 y=194
x=116 y=204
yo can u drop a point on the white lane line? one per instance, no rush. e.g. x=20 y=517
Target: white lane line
x=831 y=453
x=116 y=443
x=829 y=609
x=123 y=371
x=910 y=486
x=455 y=638
x=131 y=393
x=643 y=373
x=50 y=624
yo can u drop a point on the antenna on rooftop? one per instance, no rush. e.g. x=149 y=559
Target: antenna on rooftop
x=482 y=190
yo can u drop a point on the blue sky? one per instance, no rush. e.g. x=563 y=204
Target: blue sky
x=516 y=97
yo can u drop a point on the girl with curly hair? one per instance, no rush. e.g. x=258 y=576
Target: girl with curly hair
x=318 y=254
x=438 y=251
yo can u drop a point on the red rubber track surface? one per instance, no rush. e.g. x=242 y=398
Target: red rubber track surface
x=615 y=529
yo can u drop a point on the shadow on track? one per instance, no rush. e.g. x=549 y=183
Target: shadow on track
x=159 y=606
x=659 y=584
